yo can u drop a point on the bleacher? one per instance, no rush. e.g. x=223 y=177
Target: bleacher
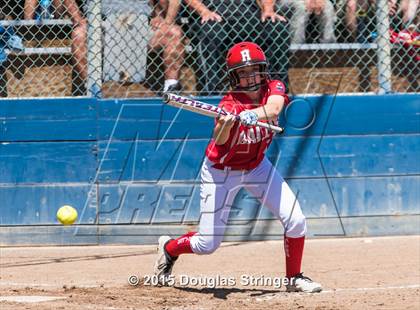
x=46 y=29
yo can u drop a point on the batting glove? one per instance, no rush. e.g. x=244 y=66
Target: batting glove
x=248 y=118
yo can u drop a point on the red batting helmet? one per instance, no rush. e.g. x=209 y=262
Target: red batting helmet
x=245 y=54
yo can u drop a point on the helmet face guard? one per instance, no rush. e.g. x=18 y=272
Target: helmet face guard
x=234 y=78
x=243 y=55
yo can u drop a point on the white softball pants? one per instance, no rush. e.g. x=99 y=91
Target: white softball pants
x=218 y=190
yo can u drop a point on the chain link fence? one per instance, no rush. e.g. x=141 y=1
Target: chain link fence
x=135 y=48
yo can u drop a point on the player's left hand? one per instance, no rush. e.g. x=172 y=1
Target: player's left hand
x=248 y=118
x=226 y=121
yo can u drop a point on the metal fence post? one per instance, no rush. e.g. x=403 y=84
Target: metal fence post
x=94 y=53
x=384 y=47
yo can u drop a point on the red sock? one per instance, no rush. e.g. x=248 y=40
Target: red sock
x=180 y=246
x=293 y=248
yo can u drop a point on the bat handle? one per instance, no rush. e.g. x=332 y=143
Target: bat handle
x=272 y=127
x=166 y=97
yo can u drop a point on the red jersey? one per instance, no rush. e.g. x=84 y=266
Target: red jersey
x=246 y=146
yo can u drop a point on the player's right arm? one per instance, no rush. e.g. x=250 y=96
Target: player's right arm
x=222 y=129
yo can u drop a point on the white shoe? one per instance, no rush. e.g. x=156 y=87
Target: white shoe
x=300 y=283
x=164 y=262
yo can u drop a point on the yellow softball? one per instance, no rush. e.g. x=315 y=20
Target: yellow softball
x=67 y=215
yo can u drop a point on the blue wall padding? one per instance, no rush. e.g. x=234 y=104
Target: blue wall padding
x=120 y=162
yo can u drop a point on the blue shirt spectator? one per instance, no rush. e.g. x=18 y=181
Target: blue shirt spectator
x=8 y=40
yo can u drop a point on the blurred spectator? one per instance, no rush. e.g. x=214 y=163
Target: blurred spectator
x=403 y=14
x=410 y=35
x=58 y=9
x=411 y=11
x=224 y=23
x=360 y=16
x=409 y=39
x=324 y=12
x=407 y=45
x=359 y=19
x=8 y=40
x=134 y=27
x=169 y=37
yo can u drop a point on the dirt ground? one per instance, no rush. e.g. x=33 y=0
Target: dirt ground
x=357 y=273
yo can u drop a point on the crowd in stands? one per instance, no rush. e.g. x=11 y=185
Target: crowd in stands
x=218 y=24
x=360 y=17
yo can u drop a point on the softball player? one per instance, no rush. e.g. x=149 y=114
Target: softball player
x=235 y=158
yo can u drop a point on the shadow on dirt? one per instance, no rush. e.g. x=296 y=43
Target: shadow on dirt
x=73 y=259
x=222 y=293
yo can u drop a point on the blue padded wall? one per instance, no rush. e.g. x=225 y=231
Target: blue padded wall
x=131 y=168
